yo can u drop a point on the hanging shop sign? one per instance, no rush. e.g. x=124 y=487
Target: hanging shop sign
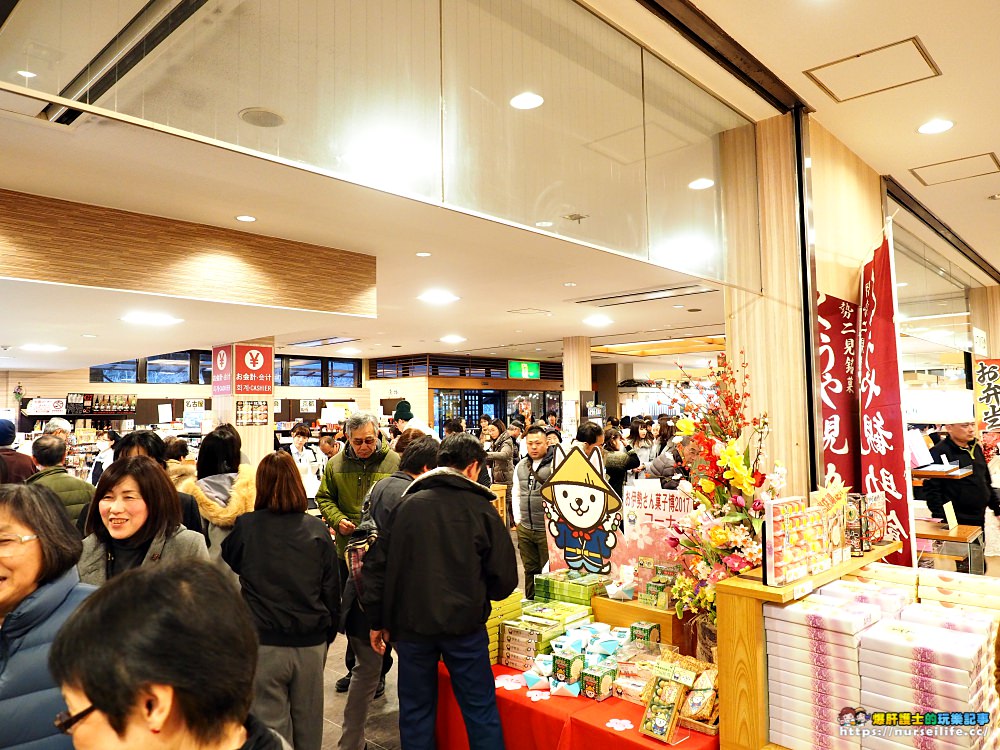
x=307 y=405
x=883 y=457
x=194 y=404
x=79 y=403
x=42 y=407
x=523 y=370
x=253 y=369
x=222 y=370
x=252 y=413
x=838 y=368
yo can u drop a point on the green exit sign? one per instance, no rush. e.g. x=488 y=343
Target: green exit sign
x=524 y=370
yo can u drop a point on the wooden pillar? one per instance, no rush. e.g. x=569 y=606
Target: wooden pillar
x=576 y=378
x=984 y=308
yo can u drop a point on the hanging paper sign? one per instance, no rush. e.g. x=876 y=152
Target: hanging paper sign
x=883 y=456
x=222 y=371
x=307 y=405
x=41 y=407
x=194 y=404
x=253 y=369
x=838 y=367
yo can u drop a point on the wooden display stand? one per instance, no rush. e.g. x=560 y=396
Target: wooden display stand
x=500 y=490
x=743 y=700
x=619 y=614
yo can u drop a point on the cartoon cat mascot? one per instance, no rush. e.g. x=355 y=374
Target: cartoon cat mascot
x=583 y=511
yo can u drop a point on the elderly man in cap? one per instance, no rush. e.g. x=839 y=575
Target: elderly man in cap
x=972 y=495
x=15 y=467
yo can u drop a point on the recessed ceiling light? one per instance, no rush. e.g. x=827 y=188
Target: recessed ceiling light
x=569 y=283
x=598 y=320
x=26 y=74
x=702 y=183
x=935 y=126
x=994 y=197
x=261 y=117
x=438 y=297
x=89 y=335
x=901 y=284
x=694 y=309
x=543 y=224
x=452 y=338
x=526 y=100
x=678 y=307
x=518 y=330
x=349 y=350
x=45 y=348
x=151 y=319
x=423 y=255
x=246 y=217
x=492 y=352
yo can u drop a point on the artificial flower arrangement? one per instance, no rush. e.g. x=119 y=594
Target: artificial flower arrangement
x=721 y=537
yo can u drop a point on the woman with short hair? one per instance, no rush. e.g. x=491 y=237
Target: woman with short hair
x=135 y=520
x=289 y=575
x=39 y=549
x=161 y=656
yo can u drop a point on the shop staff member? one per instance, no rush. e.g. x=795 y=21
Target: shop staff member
x=16 y=466
x=429 y=580
x=531 y=473
x=970 y=496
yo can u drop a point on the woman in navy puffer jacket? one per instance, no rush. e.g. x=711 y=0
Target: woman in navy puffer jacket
x=39 y=589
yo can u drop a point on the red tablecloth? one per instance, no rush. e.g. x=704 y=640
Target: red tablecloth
x=554 y=724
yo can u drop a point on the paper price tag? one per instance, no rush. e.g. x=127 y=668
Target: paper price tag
x=683 y=675
x=803 y=589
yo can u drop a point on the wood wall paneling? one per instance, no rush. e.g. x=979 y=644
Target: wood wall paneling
x=984 y=307
x=100 y=247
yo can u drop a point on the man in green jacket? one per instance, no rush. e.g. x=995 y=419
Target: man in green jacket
x=50 y=452
x=347 y=478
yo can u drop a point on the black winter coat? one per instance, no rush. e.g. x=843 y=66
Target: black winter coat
x=970 y=496
x=443 y=557
x=289 y=576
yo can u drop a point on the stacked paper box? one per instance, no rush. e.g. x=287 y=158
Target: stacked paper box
x=812 y=667
x=889 y=597
x=885 y=573
x=504 y=609
x=523 y=639
x=569 y=586
x=564 y=612
x=911 y=666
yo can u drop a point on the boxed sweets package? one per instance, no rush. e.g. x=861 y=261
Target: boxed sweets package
x=796 y=541
x=815 y=611
x=926 y=643
x=645 y=631
x=598 y=681
x=663 y=709
x=568 y=667
x=857 y=525
x=891 y=599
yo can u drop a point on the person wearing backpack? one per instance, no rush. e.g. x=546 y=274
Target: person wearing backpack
x=368 y=675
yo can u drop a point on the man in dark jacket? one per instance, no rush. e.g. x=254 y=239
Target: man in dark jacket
x=75 y=494
x=970 y=496
x=18 y=466
x=530 y=474
x=428 y=584
x=368 y=675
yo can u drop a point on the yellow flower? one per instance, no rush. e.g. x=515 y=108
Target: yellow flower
x=730 y=455
x=685 y=426
x=718 y=536
x=707 y=485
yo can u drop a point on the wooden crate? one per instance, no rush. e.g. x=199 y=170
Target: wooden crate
x=620 y=614
x=500 y=490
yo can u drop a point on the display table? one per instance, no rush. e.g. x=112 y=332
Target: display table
x=556 y=723
x=743 y=698
x=960 y=543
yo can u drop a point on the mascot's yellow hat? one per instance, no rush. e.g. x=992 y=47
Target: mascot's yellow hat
x=576 y=469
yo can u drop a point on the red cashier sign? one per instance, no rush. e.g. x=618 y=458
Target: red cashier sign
x=253 y=369
x=222 y=370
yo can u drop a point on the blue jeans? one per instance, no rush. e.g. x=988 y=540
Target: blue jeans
x=468 y=661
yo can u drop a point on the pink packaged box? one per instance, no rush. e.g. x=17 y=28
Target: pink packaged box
x=811 y=710
x=818 y=718
x=924 y=691
x=821 y=737
x=811 y=658
x=963 y=582
x=812 y=633
x=965 y=621
x=840 y=617
x=904 y=665
x=809 y=670
x=792 y=685
x=942 y=594
x=956 y=607
x=889 y=598
x=919 y=642
x=878 y=702
x=886 y=572
x=811 y=645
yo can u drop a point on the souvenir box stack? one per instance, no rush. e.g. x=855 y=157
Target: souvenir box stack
x=883 y=573
x=526 y=637
x=913 y=668
x=570 y=586
x=889 y=597
x=505 y=609
x=980 y=592
x=813 y=670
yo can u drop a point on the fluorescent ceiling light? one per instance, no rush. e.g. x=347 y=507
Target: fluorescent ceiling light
x=543 y=224
x=452 y=338
x=935 y=317
x=935 y=126
x=44 y=348
x=89 y=335
x=423 y=255
x=438 y=297
x=348 y=350
x=151 y=319
x=569 y=283
x=702 y=183
x=26 y=74
x=678 y=307
x=246 y=217
x=901 y=284
x=526 y=100
x=598 y=320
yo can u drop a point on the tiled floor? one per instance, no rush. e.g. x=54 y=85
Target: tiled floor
x=383 y=730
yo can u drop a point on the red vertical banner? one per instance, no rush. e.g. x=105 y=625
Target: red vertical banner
x=222 y=370
x=838 y=368
x=883 y=456
x=253 y=369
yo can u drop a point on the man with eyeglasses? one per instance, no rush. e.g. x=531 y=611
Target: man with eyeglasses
x=970 y=496
x=347 y=478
